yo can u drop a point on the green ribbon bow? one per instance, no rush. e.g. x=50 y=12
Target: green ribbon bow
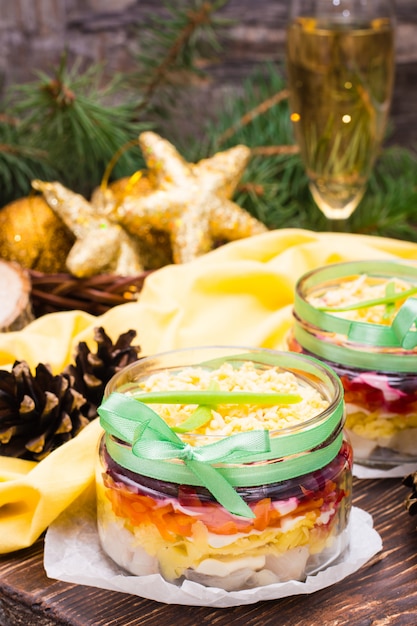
x=151 y=438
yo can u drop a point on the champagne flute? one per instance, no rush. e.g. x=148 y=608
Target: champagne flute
x=340 y=66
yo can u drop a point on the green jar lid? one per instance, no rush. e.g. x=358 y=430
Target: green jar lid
x=390 y=346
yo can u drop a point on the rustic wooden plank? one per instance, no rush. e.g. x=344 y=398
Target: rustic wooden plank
x=381 y=593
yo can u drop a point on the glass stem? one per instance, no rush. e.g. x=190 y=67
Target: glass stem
x=338 y=226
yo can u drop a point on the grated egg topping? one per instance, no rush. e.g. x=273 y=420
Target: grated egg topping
x=360 y=289
x=231 y=419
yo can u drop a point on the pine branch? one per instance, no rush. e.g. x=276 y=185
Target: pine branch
x=174 y=43
x=248 y=117
x=69 y=117
x=19 y=161
x=259 y=118
x=389 y=206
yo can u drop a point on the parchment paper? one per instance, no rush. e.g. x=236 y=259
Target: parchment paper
x=73 y=554
x=399 y=471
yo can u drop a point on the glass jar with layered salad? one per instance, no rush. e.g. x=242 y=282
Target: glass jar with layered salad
x=225 y=466
x=359 y=318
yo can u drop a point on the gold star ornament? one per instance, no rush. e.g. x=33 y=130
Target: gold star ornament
x=191 y=202
x=184 y=209
x=101 y=246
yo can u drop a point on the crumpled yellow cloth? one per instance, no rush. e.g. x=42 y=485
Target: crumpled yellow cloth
x=240 y=294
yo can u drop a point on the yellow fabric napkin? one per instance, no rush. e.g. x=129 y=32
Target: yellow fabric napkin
x=240 y=294
x=32 y=495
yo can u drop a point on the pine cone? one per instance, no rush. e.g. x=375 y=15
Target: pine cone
x=92 y=371
x=411 y=500
x=38 y=413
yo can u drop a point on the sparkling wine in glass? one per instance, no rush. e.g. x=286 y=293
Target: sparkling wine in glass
x=340 y=66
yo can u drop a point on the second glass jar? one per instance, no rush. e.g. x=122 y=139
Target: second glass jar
x=358 y=317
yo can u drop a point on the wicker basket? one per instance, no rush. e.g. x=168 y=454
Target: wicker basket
x=96 y=295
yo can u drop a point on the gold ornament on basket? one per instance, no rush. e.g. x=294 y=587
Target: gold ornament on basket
x=155 y=246
x=33 y=236
x=189 y=201
x=101 y=246
x=174 y=212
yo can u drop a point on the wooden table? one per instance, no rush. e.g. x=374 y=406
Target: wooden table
x=382 y=593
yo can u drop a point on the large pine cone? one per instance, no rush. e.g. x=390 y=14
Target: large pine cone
x=41 y=412
x=38 y=413
x=92 y=371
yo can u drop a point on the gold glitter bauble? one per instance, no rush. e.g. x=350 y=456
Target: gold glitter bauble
x=189 y=201
x=33 y=236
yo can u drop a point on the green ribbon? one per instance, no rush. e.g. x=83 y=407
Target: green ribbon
x=401 y=333
x=209 y=398
x=200 y=416
x=213 y=397
x=245 y=475
x=151 y=438
x=138 y=439
x=406 y=319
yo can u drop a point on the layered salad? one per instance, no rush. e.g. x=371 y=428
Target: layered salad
x=298 y=526
x=381 y=414
x=381 y=404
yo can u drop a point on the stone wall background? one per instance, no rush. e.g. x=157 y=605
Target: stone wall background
x=33 y=34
